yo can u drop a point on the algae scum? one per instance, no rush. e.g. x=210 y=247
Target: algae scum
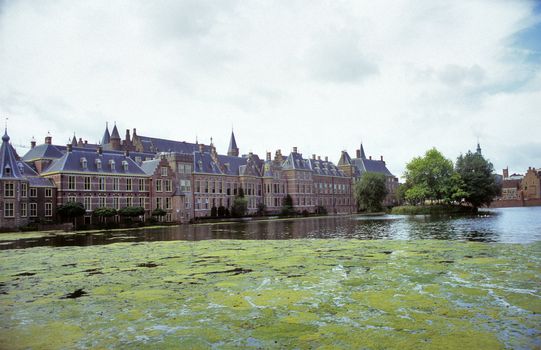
x=303 y=294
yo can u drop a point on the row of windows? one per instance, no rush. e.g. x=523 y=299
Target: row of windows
x=27 y=209
x=160 y=184
x=91 y=203
x=101 y=183
x=226 y=188
x=9 y=190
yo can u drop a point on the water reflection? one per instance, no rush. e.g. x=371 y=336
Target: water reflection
x=510 y=225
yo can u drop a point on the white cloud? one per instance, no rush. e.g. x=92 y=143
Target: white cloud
x=401 y=75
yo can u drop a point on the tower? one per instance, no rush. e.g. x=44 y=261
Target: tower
x=233 y=150
x=115 y=139
x=106 y=139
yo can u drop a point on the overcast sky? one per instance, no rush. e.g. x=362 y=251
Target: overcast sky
x=402 y=76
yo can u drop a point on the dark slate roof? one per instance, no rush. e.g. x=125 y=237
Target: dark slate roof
x=10 y=166
x=372 y=166
x=149 y=166
x=44 y=151
x=345 y=159
x=114 y=133
x=73 y=161
x=325 y=168
x=106 y=136
x=39 y=182
x=363 y=156
x=204 y=163
x=154 y=145
x=232 y=143
x=231 y=165
x=252 y=167
x=296 y=161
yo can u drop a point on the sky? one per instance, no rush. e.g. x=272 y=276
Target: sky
x=400 y=76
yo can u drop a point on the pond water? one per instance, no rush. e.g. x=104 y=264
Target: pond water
x=508 y=225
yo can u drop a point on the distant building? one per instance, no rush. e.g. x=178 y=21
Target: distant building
x=531 y=184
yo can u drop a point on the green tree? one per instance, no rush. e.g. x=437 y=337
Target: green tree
x=479 y=181
x=71 y=210
x=104 y=212
x=370 y=191
x=287 y=205
x=429 y=177
x=131 y=212
x=240 y=204
x=159 y=212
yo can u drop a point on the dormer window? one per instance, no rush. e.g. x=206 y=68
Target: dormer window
x=125 y=165
x=84 y=163
x=200 y=164
x=112 y=164
x=98 y=164
x=7 y=170
x=21 y=167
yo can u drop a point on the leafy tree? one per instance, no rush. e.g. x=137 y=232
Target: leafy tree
x=221 y=211
x=479 y=181
x=159 y=212
x=131 y=212
x=240 y=204
x=287 y=205
x=261 y=209
x=71 y=210
x=213 y=212
x=104 y=212
x=370 y=191
x=429 y=177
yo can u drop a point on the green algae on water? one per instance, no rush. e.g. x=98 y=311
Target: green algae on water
x=303 y=294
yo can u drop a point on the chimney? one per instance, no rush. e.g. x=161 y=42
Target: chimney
x=358 y=152
x=201 y=148
x=126 y=153
x=86 y=142
x=295 y=149
x=100 y=149
x=48 y=139
x=506 y=173
x=318 y=157
x=313 y=156
x=381 y=157
x=134 y=132
x=70 y=147
x=370 y=157
x=128 y=135
x=268 y=156
x=80 y=142
x=326 y=158
x=32 y=143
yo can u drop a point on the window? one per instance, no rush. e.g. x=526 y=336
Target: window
x=116 y=184
x=101 y=183
x=8 y=210
x=185 y=185
x=187 y=203
x=142 y=185
x=128 y=184
x=138 y=159
x=48 y=209
x=24 y=189
x=102 y=202
x=33 y=209
x=112 y=164
x=158 y=185
x=84 y=163
x=158 y=203
x=98 y=164
x=9 y=189
x=129 y=202
x=125 y=165
x=116 y=203
x=48 y=192
x=87 y=183
x=23 y=210
x=33 y=192
x=142 y=202
x=164 y=171
x=87 y=203
x=168 y=203
x=71 y=182
x=72 y=199
x=168 y=186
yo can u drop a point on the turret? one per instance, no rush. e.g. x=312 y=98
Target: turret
x=106 y=139
x=233 y=150
x=115 y=139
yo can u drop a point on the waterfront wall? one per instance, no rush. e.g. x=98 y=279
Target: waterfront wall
x=509 y=203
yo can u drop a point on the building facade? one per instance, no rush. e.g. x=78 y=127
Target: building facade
x=185 y=180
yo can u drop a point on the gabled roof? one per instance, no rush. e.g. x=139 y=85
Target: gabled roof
x=231 y=165
x=149 y=166
x=73 y=162
x=325 y=168
x=44 y=151
x=371 y=166
x=296 y=161
x=252 y=167
x=232 y=144
x=154 y=145
x=345 y=159
x=204 y=163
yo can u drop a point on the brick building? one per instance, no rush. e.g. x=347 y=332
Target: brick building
x=186 y=180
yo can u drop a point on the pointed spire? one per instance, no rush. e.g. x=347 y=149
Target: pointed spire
x=106 y=136
x=233 y=150
x=9 y=167
x=74 y=140
x=363 y=155
x=478 y=147
x=114 y=133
